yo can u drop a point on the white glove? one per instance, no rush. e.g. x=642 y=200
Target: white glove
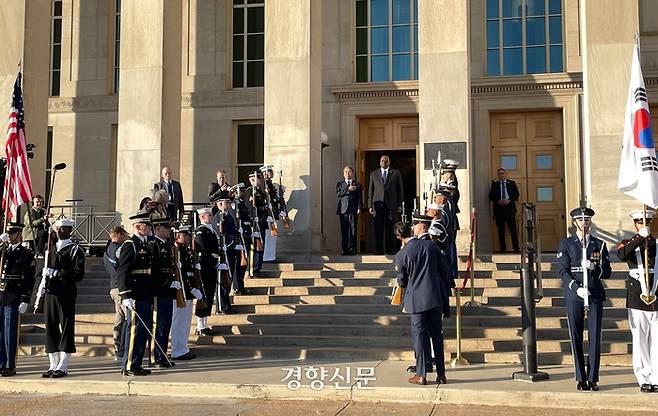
x=4 y=238
x=587 y=264
x=22 y=308
x=582 y=292
x=175 y=285
x=197 y=266
x=179 y=265
x=196 y=293
x=129 y=303
x=644 y=232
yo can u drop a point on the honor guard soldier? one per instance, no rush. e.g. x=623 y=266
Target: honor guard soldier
x=16 y=283
x=243 y=222
x=444 y=199
x=580 y=293
x=182 y=317
x=268 y=177
x=65 y=267
x=206 y=243
x=134 y=268
x=256 y=199
x=449 y=178
x=164 y=287
x=641 y=300
x=228 y=236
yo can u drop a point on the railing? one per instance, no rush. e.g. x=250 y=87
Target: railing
x=92 y=228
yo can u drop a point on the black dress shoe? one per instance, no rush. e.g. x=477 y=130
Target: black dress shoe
x=164 y=364
x=647 y=388
x=441 y=379
x=187 y=356
x=59 y=374
x=593 y=386
x=227 y=312
x=8 y=372
x=582 y=386
x=137 y=372
x=47 y=374
x=655 y=388
x=205 y=331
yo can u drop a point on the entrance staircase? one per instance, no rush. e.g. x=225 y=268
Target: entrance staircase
x=339 y=308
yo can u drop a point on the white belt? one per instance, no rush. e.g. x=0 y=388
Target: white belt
x=576 y=269
x=637 y=273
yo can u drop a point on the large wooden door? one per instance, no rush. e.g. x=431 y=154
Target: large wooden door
x=529 y=147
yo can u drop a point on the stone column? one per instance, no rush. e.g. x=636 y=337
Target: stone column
x=445 y=107
x=144 y=144
x=293 y=65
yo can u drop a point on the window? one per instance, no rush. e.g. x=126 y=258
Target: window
x=386 y=40
x=509 y=162
x=248 y=43
x=55 y=47
x=117 y=46
x=524 y=37
x=250 y=150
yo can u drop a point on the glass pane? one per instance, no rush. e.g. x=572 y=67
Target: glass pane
x=255 y=19
x=492 y=9
x=555 y=29
x=401 y=11
x=492 y=34
x=544 y=162
x=415 y=38
x=361 y=13
x=238 y=20
x=238 y=47
x=416 y=66
x=512 y=61
x=493 y=62
x=250 y=143
x=255 y=1
x=238 y=1
x=535 y=31
x=415 y=11
x=544 y=194
x=379 y=40
x=117 y=53
x=57 y=8
x=255 y=74
x=238 y=75
x=379 y=68
x=57 y=31
x=54 y=90
x=556 y=59
x=117 y=27
x=117 y=5
x=509 y=162
x=361 y=41
x=401 y=40
x=361 y=69
x=401 y=67
x=379 y=12
x=255 y=46
x=536 y=60
x=555 y=6
x=512 y=8
x=534 y=7
x=512 y=32
x=57 y=56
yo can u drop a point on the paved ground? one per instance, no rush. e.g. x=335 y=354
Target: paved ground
x=246 y=379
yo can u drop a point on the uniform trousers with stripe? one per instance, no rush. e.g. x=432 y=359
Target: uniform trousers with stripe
x=162 y=327
x=60 y=323
x=644 y=328
x=180 y=328
x=576 y=322
x=137 y=334
x=9 y=324
x=427 y=326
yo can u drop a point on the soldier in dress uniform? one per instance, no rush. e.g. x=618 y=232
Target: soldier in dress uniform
x=64 y=268
x=182 y=317
x=228 y=233
x=642 y=316
x=164 y=287
x=444 y=199
x=16 y=283
x=243 y=221
x=268 y=178
x=256 y=200
x=207 y=251
x=449 y=178
x=571 y=266
x=134 y=269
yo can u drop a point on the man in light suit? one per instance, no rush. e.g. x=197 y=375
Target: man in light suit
x=504 y=193
x=174 y=194
x=348 y=192
x=385 y=196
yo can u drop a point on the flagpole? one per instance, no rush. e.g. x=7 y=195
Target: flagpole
x=6 y=194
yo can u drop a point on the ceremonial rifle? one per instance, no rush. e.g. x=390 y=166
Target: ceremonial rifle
x=224 y=277
x=270 y=213
x=243 y=253
x=585 y=270
x=181 y=298
x=196 y=261
x=286 y=219
x=256 y=242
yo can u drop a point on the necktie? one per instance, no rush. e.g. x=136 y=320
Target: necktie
x=503 y=191
x=349 y=183
x=384 y=174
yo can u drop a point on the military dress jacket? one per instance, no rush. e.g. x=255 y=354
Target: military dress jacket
x=569 y=266
x=18 y=275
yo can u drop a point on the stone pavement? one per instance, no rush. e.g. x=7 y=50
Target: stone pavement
x=481 y=384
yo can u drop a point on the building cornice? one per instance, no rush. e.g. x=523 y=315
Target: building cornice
x=376 y=91
x=227 y=98
x=530 y=84
x=83 y=104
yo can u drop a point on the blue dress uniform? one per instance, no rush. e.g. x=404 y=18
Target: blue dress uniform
x=259 y=216
x=206 y=244
x=16 y=283
x=243 y=221
x=163 y=276
x=134 y=269
x=226 y=223
x=449 y=221
x=569 y=261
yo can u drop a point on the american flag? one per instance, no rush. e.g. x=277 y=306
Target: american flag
x=18 y=185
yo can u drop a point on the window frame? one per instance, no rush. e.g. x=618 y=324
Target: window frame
x=246 y=4
x=55 y=90
x=236 y=149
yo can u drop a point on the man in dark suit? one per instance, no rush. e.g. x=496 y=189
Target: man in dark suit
x=419 y=271
x=349 y=206
x=218 y=190
x=174 y=194
x=385 y=196
x=504 y=194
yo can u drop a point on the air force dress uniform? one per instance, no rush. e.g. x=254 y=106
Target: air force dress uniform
x=570 y=264
x=642 y=316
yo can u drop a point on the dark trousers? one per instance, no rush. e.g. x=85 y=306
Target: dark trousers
x=165 y=312
x=506 y=216
x=576 y=322
x=348 y=223
x=426 y=326
x=60 y=323
x=209 y=281
x=137 y=334
x=239 y=271
x=9 y=326
x=384 y=238
x=224 y=289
